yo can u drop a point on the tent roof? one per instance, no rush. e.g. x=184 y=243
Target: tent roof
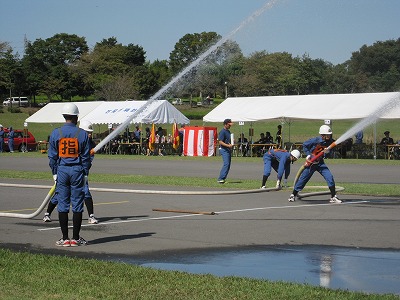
x=113 y=112
x=51 y=113
x=156 y=111
x=317 y=107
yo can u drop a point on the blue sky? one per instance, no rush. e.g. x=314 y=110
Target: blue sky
x=326 y=29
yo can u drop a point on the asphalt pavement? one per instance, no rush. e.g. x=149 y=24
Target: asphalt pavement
x=129 y=226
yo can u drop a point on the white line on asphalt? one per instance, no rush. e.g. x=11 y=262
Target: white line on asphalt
x=216 y=213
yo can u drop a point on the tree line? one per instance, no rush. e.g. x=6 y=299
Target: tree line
x=62 y=67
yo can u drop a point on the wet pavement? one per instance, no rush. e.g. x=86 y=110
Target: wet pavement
x=363 y=270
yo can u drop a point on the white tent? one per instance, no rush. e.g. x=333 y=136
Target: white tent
x=113 y=112
x=314 y=107
x=158 y=112
x=51 y=113
x=317 y=107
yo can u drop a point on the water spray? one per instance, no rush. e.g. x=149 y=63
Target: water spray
x=186 y=70
x=163 y=90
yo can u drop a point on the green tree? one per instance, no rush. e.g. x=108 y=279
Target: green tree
x=312 y=75
x=189 y=48
x=380 y=63
x=118 y=88
x=46 y=63
x=7 y=67
x=111 y=63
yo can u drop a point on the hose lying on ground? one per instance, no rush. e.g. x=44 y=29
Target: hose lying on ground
x=51 y=192
x=37 y=212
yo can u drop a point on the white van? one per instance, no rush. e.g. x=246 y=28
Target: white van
x=16 y=101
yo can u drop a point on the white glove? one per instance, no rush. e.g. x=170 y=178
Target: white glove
x=278 y=184
x=285 y=182
x=85 y=180
x=55 y=177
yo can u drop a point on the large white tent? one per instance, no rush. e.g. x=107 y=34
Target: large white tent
x=113 y=112
x=51 y=113
x=316 y=107
x=156 y=111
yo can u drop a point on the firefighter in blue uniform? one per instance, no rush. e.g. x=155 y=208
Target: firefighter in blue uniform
x=88 y=127
x=69 y=161
x=279 y=160
x=313 y=147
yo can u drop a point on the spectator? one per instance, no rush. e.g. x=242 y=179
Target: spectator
x=11 y=134
x=137 y=134
x=145 y=141
x=278 y=136
x=269 y=139
x=359 y=137
x=258 y=150
x=160 y=139
x=387 y=140
x=1 y=138
x=243 y=144
x=181 y=136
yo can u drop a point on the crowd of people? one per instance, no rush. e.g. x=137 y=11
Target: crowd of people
x=136 y=142
x=259 y=146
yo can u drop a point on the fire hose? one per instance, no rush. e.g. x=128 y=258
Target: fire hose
x=308 y=164
x=52 y=190
x=37 y=212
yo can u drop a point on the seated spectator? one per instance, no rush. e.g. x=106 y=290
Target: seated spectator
x=387 y=140
x=258 y=150
x=345 y=147
x=359 y=137
x=269 y=139
x=243 y=144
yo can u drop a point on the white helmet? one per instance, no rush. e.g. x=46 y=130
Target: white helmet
x=70 y=109
x=295 y=153
x=86 y=125
x=325 y=129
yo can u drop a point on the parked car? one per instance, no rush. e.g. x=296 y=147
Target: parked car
x=16 y=101
x=177 y=101
x=23 y=140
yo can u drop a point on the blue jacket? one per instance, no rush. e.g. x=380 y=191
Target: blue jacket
x=225 y=136
x=310 y=145
x=69 y=130
x=283 y=159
